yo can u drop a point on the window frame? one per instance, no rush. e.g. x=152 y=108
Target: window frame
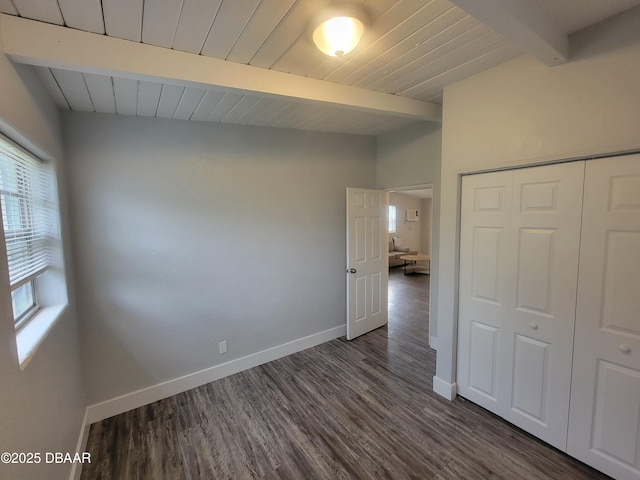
x=44 y=271
x=20 y=320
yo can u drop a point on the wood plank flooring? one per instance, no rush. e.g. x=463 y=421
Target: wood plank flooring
x=343 y=410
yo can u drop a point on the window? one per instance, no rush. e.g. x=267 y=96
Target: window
x=30 y=222
x=392 y=219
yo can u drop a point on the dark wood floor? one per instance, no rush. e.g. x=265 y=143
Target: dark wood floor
x=362 y=409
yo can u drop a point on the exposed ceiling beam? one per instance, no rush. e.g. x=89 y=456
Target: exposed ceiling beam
x=524 y=23
x=43 y=44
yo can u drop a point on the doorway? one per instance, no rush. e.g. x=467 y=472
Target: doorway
x=409 y=290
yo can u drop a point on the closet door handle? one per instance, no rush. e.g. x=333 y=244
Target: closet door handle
x=624 y=348
x=534 y=326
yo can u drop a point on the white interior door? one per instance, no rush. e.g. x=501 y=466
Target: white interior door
x=520 y=232
x=604 y=425
x=367 y=260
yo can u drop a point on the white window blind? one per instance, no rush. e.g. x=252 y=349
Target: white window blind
x=25 y=194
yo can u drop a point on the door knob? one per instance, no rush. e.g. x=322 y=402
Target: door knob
x=353 y=270
x=624 y=348
x=534 y=325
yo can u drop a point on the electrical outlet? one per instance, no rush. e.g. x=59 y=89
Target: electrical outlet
x=223 y=346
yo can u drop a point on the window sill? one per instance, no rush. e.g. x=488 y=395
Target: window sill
x=33 y=333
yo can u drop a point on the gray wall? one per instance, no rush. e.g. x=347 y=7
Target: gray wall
x=186 y=234
x=409 y=156
x=523 y=112
x=41 y=406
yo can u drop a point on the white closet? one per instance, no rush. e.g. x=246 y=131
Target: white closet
x=549 y=312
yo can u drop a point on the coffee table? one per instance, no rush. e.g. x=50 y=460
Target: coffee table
x=411 y=261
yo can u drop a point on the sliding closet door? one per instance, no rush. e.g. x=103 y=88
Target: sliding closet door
x=520 y=232
x=605 y=398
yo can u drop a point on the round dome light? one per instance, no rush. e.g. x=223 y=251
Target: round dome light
x=338 y=30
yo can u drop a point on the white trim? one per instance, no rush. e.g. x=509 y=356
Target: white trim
x=35 y=330
x=76 y=468
x=400 y=189
x=148 y=395
x=445 y=389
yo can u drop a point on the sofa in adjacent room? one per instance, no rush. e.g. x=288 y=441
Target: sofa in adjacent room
x=396 y=251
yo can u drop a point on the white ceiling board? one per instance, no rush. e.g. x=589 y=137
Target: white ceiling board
x=268 y=15
x=52 y=87
x=148 y=98
x=126 y=93
x=525 y=24
x=224 y=106
x=74 y=89
x=207 y=104
x=486 y=43
x=403 y=74
x=428 y=33
x=169 y=99
x=479 y=62
x=255 y=109
x=303 y=58
x=319 y=118
x=195 y=23
x=574 y=15
x=232 y=18
x=245 y=103
x=85 y=15
x=263 y=117
x=37 y=43
x=123 y=18
x=42 y=10
x=188 y=103
x=400 y=21
x=442 y=41
x=159 y=22
x=413 y=49
x=283 y=114
x=374 y=9
x=288 y=31
x=101 y=91
x=6 y=6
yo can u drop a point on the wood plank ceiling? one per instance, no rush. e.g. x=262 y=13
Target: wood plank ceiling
x=413 y=48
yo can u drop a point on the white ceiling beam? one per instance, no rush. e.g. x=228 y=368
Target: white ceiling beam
x=524 y=23
x=42 y=44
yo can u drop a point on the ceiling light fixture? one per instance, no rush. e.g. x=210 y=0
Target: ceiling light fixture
x=337 y=29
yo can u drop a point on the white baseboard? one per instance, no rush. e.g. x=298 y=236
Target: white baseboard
x=445 y=389
x=148 y=395
x=76 y=468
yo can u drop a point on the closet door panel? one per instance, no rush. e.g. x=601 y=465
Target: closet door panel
x=547 y=204
x=518 y=275
x=604 y=428
x=484 y=287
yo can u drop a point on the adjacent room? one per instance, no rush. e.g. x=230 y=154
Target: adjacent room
x=205 y=209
